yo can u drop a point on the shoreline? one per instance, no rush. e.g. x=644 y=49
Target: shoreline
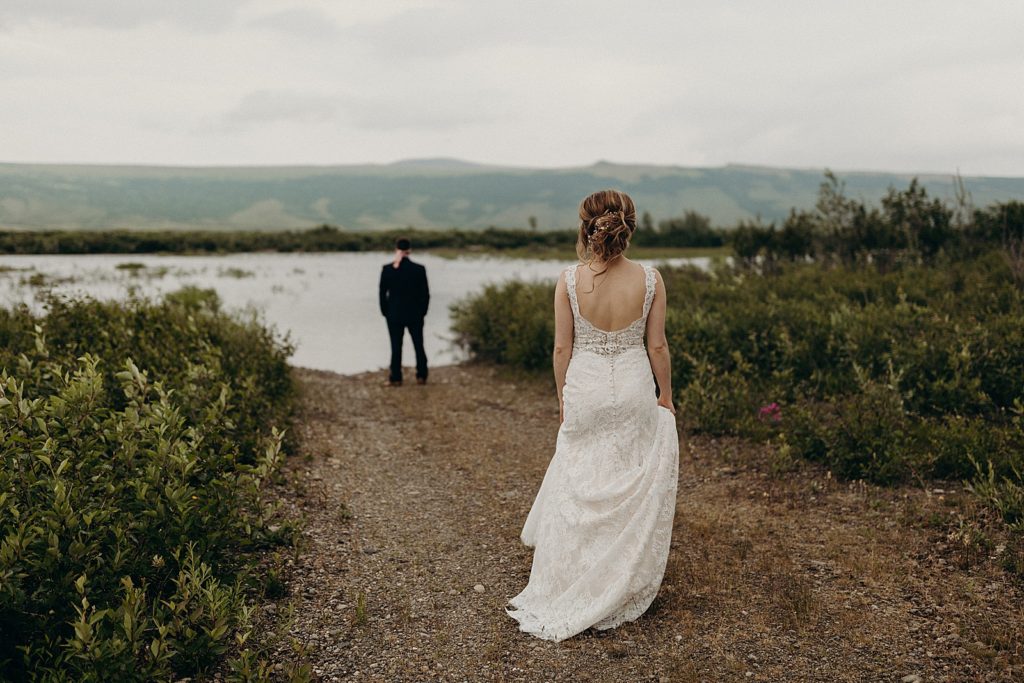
x=566 y=253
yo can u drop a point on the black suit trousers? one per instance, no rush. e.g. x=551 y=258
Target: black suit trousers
x=396 y=329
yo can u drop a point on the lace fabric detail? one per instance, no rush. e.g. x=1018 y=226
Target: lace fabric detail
x=587 y=337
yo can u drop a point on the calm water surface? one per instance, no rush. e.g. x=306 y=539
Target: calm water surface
x=327 y=303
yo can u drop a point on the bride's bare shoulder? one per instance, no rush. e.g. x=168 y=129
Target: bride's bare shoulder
x=633 y=266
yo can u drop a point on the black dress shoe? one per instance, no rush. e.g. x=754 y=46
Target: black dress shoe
x=421 y=380
x=394 y=383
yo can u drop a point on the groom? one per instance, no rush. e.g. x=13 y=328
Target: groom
x=404 y=297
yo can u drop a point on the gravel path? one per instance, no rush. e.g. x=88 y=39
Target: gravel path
x=413 y=499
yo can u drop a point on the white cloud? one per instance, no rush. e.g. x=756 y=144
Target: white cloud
x=120 y=14
x=303 y=23
x=264 y=106
x=903 y=86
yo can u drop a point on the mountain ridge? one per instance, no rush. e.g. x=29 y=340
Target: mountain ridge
x=436 y=192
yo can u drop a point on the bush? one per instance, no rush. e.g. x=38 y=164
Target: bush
x=887 y=343
x=511 y=324
x=893 y=376
x=865 y=435
x=909 y=226
x=722 y=402
x=135 y=442
x=690 y=230
x=1003 y=494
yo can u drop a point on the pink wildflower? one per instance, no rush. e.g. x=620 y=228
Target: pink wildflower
x=771 y=412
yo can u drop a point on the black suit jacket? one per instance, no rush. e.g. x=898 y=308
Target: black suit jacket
x=404 y=294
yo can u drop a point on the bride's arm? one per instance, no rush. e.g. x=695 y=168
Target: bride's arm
x=657 y=345
x=563 y=339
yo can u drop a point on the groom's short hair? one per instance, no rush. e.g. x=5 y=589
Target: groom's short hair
x=403 y=244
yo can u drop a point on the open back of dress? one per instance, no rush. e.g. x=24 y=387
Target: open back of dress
x=601 y=523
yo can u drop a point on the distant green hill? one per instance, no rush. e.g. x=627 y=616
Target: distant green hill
x=426 y=193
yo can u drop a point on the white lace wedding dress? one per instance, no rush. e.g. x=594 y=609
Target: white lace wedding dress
x=601 y=524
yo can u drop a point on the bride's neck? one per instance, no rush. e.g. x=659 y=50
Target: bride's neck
x=599 y=263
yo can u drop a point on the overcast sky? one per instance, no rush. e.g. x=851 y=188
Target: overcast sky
x=901 y=85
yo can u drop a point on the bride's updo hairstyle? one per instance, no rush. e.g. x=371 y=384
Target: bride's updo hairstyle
x=607 y=222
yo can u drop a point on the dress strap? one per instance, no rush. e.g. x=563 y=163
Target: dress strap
x=570 y=285
x=649 y=295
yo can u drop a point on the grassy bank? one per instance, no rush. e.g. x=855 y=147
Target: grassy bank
x=904 y=376
x=567 y=252
x=323 y=239
x=448 y=243
x=136 y=439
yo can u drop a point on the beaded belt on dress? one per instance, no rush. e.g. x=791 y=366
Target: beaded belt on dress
x=608 y=343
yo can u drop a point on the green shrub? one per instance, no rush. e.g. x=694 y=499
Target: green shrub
x=891 y=376
x=511 y=324
x=135 y=442
x=1003 y=494
x=908 y=227
x=864 y=435
x=722 y=402
x=888 y=342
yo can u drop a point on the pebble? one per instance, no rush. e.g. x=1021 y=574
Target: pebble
x=479 y=588
x=911 y=678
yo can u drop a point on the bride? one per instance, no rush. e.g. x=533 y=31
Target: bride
x=601 y=524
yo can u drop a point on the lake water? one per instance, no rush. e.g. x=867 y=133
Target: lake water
x=326 y=302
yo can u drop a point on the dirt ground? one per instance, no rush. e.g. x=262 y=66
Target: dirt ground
x=412 y=500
